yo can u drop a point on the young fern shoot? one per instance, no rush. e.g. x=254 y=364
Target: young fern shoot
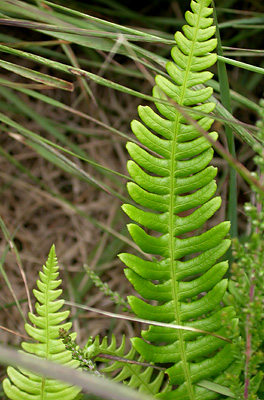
x=174 y=189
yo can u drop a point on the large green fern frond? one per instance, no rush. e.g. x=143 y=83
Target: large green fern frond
x=175 y=188
x=25 y=385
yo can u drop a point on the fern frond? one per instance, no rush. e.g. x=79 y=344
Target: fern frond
x=185 y=278
x=135 y=375
x=25 y=385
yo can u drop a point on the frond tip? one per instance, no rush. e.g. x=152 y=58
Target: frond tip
x=25 y=385
x=174 y=190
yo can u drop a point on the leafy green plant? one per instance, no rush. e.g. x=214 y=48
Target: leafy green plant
x=22 y=384
x=246 y=293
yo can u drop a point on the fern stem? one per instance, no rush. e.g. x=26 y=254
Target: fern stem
x=126 y=360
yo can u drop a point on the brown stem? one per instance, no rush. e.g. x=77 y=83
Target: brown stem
x=251 y=299
x=248 y=341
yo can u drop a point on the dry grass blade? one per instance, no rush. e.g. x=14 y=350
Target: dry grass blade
x=16 y=253
x=144 y=321
x=15 y=333
x=90 y=383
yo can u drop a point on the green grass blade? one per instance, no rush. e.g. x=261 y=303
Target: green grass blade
x=8 y=283
x=152 y=38
x=240 y=64
x=13 y=248
x=26 y=10
x=238 y=98
x=37 y=76
x=57 y=104
x=45 y=148
x=227 y=118
x=242 y=132
x=80 y=31
x=49 y=127
x=214 y=387
x=83 y=83
x=78 y=72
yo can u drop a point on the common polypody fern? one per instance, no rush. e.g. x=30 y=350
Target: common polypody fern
x=25 y=385
x=175 y=186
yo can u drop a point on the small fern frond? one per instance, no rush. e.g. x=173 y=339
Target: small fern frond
x=136 y=375
x=25 y=385
x=174 y=189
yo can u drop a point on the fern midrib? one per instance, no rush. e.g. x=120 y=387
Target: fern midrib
x=43 y=384
x=171 y=223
